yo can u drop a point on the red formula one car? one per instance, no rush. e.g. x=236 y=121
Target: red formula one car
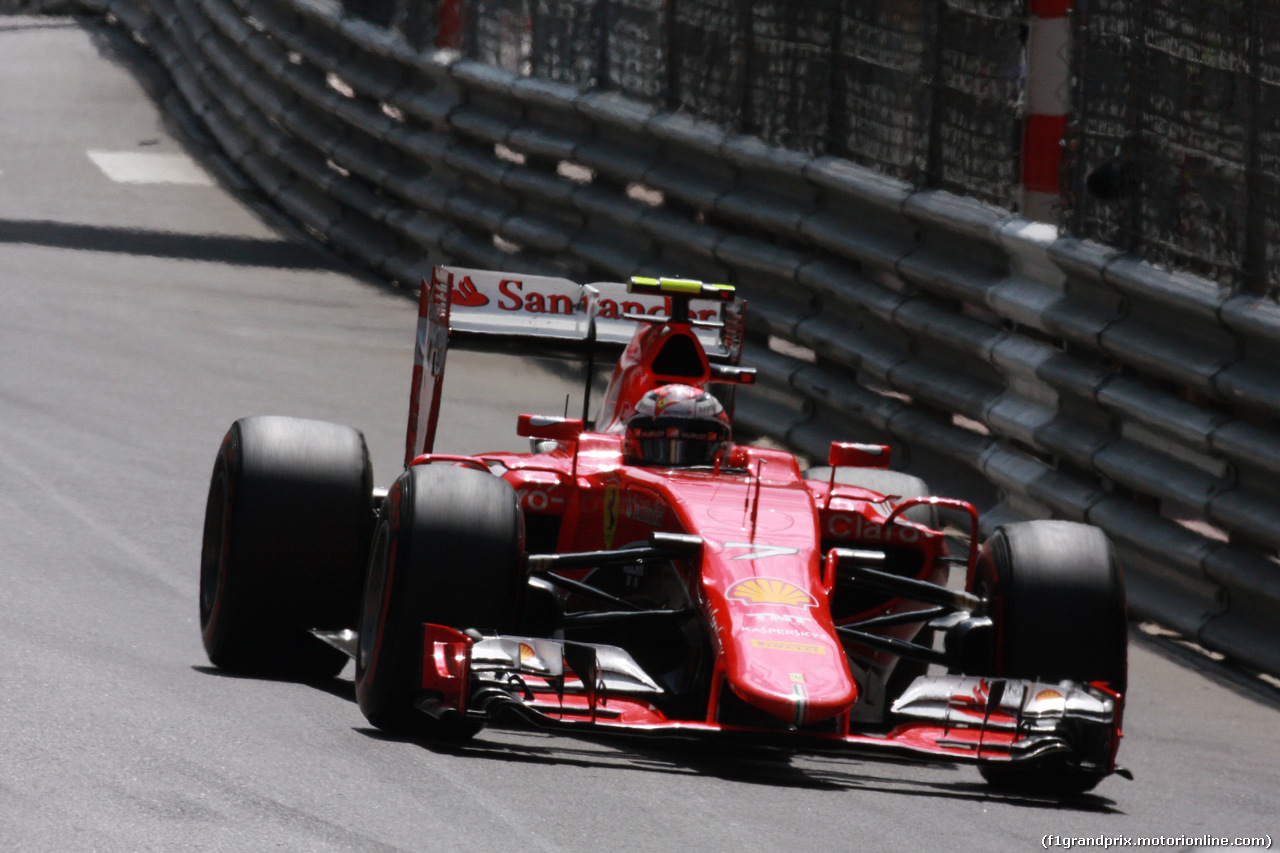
x=646 y=574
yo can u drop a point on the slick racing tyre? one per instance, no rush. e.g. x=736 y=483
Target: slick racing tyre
x=1058 y=605
x=449 y=550
x=286 y=538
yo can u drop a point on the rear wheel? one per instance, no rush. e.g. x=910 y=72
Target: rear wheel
x=286 y=534
x=1059 y=609
x=449 y=550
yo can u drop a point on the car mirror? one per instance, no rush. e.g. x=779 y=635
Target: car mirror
x=849 y=455
x=739 y=457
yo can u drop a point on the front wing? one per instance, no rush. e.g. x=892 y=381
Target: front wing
x=555 y=684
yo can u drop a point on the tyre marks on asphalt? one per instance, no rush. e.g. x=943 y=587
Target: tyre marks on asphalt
x=26 y=480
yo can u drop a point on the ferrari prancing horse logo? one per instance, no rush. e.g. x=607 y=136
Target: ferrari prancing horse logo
x=612 y=500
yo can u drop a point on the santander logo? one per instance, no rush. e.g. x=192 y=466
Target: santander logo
x=466 y=295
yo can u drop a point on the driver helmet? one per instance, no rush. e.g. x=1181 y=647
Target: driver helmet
x=676 y=426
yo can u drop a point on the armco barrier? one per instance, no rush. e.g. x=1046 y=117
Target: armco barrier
x=1036 y=375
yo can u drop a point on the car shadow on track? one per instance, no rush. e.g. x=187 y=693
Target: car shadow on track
x=728 y=760
x=733 y=761
x=343 y=688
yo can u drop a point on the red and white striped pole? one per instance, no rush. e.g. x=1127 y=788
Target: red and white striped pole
x=1048 y=99
x=449 y=24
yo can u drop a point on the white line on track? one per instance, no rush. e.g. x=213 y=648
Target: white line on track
x=149 y=167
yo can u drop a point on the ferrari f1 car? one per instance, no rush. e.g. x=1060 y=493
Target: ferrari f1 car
x=644 y=573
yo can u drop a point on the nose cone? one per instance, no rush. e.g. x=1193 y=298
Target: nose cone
x=787 y=664
x=761 y=578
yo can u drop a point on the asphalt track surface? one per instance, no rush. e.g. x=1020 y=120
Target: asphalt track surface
x=137 y=321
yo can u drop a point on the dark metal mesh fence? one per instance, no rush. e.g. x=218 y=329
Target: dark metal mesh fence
x=1262 y=270
x=566 y=41
x=931 y=91
x=1099 y=133
x=977 y=112
x=788 y=82
x=612 y=44
x=1175 y=141
x=709 y=58
x=1173 y=152
x=500 y=33
x=418 y=21
x=637 y=58
x=880 y=110
x=925 y=90
x=380 y=12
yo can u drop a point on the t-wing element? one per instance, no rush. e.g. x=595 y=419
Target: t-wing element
x=680 y=291
x=686 y=287
x=732 y=374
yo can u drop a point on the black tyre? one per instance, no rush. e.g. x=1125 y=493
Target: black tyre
x=1059 y=612
x=449 y=550
x=286 y=538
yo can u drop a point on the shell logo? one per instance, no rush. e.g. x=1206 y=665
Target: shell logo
x=771 y=591
x=527 y=653
x=1046 y=695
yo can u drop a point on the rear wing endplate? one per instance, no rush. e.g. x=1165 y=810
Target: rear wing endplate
x=428 y=366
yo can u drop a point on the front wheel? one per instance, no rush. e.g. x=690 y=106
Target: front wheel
x=286 y=538
x=1058 y=604
x=449 y=550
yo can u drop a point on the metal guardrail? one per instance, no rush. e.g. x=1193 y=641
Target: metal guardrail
x=1036 y=375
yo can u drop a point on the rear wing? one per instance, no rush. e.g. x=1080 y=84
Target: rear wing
x=542 y=307
x=533 y=308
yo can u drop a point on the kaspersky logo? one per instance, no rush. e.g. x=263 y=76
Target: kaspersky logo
x=771 y=591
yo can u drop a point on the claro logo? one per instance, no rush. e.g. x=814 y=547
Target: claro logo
x=841 y=525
